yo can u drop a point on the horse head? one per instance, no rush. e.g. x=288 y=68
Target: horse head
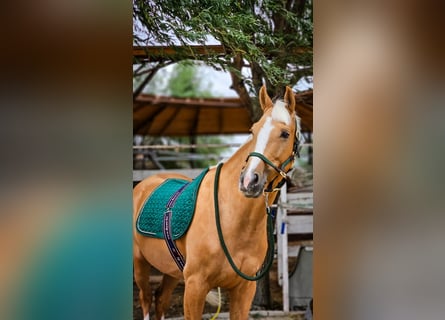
x=274 y=142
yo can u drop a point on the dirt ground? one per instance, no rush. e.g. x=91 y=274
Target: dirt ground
x=176 y=309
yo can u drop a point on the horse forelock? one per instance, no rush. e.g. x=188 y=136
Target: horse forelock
x=280 y=112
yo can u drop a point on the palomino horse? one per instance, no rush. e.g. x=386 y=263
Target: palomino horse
x=245 y=185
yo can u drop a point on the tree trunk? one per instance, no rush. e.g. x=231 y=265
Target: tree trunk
x=240 y=88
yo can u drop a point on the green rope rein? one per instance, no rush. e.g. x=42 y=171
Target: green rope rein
x=270 y=240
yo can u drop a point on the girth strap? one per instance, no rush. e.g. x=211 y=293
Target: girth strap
x=171 y=245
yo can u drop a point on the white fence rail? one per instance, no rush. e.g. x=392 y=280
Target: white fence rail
x=302 y=204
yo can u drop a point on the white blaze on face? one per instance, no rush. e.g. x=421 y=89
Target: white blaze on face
x=147 y=317
x=261 y=142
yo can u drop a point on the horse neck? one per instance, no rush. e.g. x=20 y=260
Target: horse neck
x=242 y=212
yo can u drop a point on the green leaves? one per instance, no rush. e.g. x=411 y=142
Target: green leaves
x=275 y=34
x=186 y=83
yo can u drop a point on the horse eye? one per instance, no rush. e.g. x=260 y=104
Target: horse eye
x=284 y=134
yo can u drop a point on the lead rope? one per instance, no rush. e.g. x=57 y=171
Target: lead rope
x=270 y=241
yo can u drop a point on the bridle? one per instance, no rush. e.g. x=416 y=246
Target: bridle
x=282 y=168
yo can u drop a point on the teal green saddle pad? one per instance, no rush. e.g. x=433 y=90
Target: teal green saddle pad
x=150 y=219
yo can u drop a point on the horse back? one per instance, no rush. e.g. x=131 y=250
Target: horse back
x=145 y=188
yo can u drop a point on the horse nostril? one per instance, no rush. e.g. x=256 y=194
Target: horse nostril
x=256 y=178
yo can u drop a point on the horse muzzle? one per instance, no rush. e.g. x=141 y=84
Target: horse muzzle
x=251 y=184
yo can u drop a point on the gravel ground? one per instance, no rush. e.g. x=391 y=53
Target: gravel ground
x=263 y=315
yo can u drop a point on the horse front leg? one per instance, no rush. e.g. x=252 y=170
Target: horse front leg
x=241 y=298
x=194 y=297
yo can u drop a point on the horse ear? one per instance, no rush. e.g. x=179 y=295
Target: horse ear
x=289 y=99
x=264 y=98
